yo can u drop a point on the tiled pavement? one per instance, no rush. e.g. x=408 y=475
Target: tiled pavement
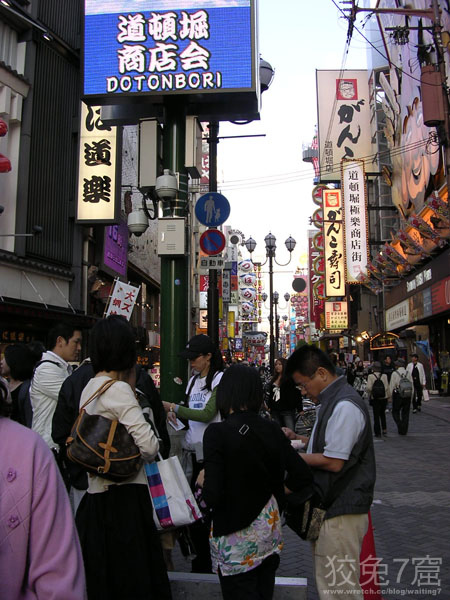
x=410 y=513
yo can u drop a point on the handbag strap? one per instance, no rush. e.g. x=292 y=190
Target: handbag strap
x=102 y=389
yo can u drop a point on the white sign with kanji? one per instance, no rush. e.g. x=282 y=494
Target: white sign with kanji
x=122 y=300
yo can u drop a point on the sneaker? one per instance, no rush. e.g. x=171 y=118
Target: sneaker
x=414 y=411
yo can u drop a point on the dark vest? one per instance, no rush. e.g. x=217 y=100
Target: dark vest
x=359 y=470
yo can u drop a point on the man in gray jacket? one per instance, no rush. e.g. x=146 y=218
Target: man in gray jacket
x=341 y=454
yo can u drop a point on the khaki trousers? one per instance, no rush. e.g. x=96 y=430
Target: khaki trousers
x=336 y=556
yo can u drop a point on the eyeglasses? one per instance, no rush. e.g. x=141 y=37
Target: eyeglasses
x=304 y=385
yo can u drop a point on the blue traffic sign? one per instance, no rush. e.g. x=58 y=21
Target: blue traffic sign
x=212 y=209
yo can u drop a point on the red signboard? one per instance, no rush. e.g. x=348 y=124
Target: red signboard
x=440 y=296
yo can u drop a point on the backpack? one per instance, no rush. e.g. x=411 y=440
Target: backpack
x=404 y=387
x=378 y=391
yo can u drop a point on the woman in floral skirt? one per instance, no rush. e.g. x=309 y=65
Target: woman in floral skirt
x=246 y=458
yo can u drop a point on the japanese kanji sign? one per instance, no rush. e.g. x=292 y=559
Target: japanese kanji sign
x=122 y=300
x=333 y=239
x=99 y=150
x=155 y=46
x=355 y=221
x=344 y=120
x=115 y=248
x=336 y=316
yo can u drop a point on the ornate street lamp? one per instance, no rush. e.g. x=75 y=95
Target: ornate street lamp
x=270 y=242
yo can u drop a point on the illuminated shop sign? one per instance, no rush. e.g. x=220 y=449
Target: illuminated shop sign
x=333 y=234
x=99 y=153
x=115 y=248
x=136 y=47
x=336 y=316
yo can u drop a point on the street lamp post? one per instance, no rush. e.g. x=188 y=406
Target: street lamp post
x=270 y=243
x=276 y=297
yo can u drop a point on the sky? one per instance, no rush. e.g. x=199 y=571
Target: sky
x=264 y=178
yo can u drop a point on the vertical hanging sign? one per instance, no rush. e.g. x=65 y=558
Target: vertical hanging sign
x=333 y=234
x=355 y=221
x=98 y=171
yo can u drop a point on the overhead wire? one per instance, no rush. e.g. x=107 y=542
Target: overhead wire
x=389 y=61
x=292 y=176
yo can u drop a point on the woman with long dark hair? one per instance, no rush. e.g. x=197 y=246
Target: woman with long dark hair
x=246 y=459
x=283 y=397
x=121 y=548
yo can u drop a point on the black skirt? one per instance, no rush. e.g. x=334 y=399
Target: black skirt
x=121 y=550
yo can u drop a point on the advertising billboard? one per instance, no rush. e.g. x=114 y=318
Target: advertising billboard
x=115 y=248
x=151 y=47
x=98 y=199
x=344 y=120
x=356 y=226
x=333 y=234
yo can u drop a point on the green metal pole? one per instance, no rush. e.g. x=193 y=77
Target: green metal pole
x=174 y=270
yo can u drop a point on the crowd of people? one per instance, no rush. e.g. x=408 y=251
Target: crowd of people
x=81 y=535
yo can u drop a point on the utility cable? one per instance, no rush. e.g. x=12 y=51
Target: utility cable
x=293 y=176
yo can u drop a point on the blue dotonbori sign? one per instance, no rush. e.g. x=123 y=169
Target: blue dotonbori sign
x=136 y=47
x=212 y=209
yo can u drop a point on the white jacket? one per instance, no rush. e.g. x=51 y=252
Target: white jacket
x=419 y=365
x=396 y=376
x=44 y=391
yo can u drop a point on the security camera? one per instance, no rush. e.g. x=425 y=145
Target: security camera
x=166 y=185
x=137 y=222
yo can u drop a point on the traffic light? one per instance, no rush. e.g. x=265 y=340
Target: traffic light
x=5 y=163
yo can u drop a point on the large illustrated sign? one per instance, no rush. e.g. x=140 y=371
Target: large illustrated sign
x=163 y=46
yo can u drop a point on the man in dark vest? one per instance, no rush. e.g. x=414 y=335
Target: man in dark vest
x=340 y=452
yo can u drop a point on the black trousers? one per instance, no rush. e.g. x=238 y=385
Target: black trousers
x=400 y=412
x=379 y=415
x=199 y=532
x=257 y=584
x=417 y=396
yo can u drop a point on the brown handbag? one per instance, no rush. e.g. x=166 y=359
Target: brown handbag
x=103 y=446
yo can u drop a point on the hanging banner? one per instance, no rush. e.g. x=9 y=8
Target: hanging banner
x=356 y=227
x=343 y=110
x=123 y=299
x=98 y=170
x=333 y=234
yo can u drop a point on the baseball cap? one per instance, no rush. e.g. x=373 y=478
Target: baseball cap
x=399 y=362
x=199 y=344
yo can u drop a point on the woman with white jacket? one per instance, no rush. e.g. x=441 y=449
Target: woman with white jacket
x=417 y=372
